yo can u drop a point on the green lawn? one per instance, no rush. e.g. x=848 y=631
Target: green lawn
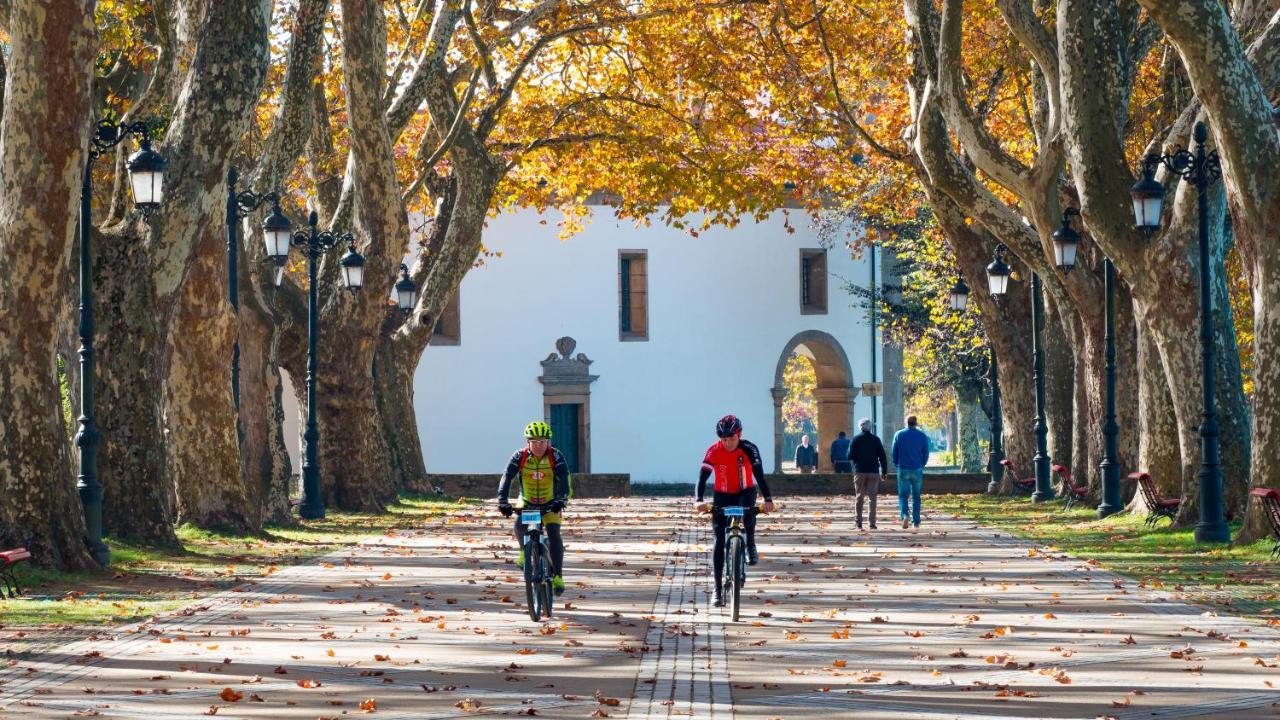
x=143 y=581
x=1241 y=579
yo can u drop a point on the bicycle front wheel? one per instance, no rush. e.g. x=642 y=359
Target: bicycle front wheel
x=739 y=575
x=533 y=580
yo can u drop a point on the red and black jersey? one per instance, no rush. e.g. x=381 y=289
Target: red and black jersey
x=735 y=470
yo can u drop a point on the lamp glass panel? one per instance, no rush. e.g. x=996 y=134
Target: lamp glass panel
x=277 y=242
x=354 y=275
x=148 y=187
x=998 y=283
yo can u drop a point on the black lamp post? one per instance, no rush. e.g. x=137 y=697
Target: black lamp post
x=146 y=179
x=996 y=455
x=1044 y=490
x=998 y=273
x=313 y=243
x=406 y=291
x=1203 y=168
x=1065 y=242
x=239 y=206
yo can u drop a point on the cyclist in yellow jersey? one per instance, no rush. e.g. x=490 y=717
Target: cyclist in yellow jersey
x=544 y=480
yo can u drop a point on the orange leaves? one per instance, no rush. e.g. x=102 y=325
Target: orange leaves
x=308 y=683
x=230 y=695
x=369 y=705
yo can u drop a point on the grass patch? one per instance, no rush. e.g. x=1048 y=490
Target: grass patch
x=1240 y=579
x=143 y=581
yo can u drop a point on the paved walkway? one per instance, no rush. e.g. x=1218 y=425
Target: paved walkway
x=955 y=621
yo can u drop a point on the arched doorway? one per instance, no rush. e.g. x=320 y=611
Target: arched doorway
x=835 y=392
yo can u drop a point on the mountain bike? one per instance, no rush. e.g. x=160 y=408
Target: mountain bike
x=735 y=556
x=537 y=564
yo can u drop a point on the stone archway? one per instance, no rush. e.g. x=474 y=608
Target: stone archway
x=835 y=392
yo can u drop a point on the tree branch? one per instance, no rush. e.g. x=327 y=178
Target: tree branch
x=486 y=61
x=292 y=125
x=978 y=143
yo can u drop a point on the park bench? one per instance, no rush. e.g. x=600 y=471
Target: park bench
x=1270 y=499
x=1157 y=507
x=1072 y=492
x=1019 y=485
x=9 y=560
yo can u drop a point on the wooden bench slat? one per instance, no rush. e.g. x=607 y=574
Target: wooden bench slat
x=12 y=556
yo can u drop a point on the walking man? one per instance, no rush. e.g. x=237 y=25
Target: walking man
x=840 y=454
x=910 y=455
x=806 y=456
x=870 y=466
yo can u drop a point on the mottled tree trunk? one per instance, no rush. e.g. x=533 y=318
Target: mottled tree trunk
x=1266 y=393
x=1126 y=381
x=42 y=157
x=1233 y=83
x=1236 y=424
x=967 y=411
x=263 y=451
x=1079 y=407
x=138 y=499
x=393 y=378
x=1159 y=452
x=1060 y=382
x=200 y=417
x=227 y=73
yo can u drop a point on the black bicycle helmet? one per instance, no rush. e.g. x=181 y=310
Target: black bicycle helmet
x=728 y=426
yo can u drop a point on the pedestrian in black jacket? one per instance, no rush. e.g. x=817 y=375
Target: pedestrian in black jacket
x=866 y=453
x=806 y=455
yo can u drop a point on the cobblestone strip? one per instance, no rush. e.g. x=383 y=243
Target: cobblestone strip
x=684 y=673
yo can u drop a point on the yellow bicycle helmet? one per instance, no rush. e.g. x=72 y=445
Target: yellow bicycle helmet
x=537 y=430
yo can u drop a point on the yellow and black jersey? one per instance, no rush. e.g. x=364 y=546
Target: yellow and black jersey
x=542 y=479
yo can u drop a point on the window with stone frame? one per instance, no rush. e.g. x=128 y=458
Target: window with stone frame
x=633 y=295
x=813 y=281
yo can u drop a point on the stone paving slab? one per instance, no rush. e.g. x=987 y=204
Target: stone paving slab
x=960 y=621
x=954 y=621
x=426 y=623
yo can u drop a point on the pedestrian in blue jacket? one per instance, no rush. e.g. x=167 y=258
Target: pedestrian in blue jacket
x=910 y=454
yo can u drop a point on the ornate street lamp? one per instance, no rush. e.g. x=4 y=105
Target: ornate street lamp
x=997 y=430
x=1065 y=242
x=1203 y=168
x=998 y=272
x=958 y=296
x=352 y=267
x=313 y=243
x=146 y=180
x=406 y=291
x=276 y=228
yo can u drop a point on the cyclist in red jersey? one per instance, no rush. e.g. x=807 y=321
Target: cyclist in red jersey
x=738 y=471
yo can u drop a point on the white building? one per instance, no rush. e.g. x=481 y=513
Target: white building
x=669 y=333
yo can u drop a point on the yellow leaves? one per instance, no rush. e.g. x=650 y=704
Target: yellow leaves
x=468 y=705
x=1058 y=675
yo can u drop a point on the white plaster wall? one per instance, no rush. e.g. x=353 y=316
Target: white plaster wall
x=722 y=307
